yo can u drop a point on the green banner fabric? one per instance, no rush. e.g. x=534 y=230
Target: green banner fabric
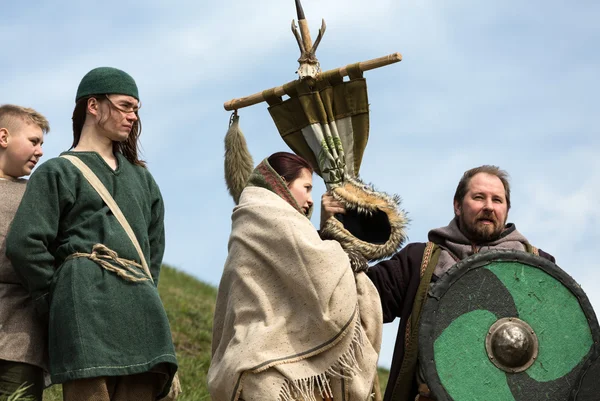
x=326 y=122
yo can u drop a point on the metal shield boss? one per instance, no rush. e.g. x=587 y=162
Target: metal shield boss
x=507 y=325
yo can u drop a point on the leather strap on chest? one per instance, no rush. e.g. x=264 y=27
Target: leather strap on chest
x=403 y=385
x=531 y=249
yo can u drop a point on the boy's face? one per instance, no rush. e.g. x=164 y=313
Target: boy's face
x=22 y=149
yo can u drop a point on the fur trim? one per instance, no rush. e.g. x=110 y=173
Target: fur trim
x=238 y=161
x=365 y=201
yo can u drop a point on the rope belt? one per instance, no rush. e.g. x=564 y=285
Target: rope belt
x=108 y=259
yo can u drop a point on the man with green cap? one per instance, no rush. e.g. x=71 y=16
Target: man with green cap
x=109 y=336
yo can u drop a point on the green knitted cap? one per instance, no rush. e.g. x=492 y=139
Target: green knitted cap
x=107 y=80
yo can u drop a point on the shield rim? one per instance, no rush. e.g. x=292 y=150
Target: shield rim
x=455 y=273
x=594 y=358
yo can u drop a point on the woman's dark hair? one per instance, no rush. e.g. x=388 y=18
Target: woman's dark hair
x=129 y=147
x=288 y=165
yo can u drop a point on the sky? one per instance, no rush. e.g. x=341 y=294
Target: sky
x=509 y=83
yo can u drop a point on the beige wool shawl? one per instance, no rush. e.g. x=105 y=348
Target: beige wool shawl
x=292 y=322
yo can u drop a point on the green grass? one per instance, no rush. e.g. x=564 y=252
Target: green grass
x=17 y=395
x=384 y=376
x=190 y=305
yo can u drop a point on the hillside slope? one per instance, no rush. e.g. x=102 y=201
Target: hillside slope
x=190 y=305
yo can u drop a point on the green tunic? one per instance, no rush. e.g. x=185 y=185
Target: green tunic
x=99 y=323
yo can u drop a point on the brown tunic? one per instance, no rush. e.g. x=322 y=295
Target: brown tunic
x=22 y=336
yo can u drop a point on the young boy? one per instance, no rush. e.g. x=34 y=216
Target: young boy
x=23 y=352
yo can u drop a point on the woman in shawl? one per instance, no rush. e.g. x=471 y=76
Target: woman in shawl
x=292 y=320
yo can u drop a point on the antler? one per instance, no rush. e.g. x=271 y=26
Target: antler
x=319 y=37
x=309 y=65
x=296 y=33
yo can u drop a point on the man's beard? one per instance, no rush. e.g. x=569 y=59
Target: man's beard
x=478 y=232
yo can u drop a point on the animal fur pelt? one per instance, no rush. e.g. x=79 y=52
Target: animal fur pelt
x=238 y=161
x=367 y=208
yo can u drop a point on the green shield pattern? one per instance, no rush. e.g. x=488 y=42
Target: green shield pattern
x=478 y=291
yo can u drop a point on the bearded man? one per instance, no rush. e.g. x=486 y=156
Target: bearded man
x=481 y=205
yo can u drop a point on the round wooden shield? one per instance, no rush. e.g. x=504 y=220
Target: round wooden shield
x=507 y=325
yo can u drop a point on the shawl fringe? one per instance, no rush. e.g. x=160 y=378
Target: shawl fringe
x=345 y=368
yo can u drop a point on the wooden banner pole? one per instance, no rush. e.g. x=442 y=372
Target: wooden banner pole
x=236 y=104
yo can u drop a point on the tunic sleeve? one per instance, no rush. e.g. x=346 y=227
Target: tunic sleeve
x=396 y=278
x=156 y=234
x=32 y=238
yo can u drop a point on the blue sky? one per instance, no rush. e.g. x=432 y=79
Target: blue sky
x=508 y=83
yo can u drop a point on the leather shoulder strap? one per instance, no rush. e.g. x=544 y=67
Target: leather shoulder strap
x=112 y=205
x=408 y=368
x=531 y=249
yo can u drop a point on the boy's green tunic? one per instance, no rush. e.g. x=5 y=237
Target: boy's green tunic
x=99 y=323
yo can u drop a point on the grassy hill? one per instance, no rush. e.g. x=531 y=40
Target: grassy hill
x=190 y=306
